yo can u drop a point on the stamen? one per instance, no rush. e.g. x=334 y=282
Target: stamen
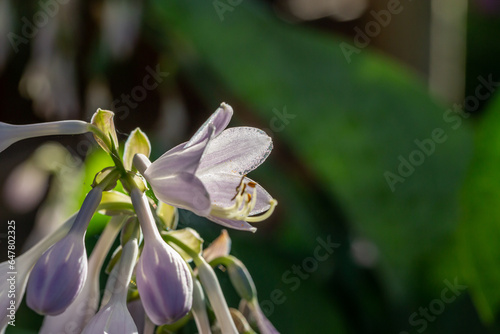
x=267 y=214
x=243 y=205
x=238 y=187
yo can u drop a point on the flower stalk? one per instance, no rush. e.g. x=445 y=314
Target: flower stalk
x=163 y=278
x=9 y=133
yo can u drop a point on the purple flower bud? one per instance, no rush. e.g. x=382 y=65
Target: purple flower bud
x=137 y=312
x=113 y=318
x=164 y=282
x=58 y=276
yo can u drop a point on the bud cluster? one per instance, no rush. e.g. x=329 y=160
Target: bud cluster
x=158 y=275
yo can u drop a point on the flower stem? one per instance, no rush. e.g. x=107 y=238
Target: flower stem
x=199 y=309
x=214 y=292
x=141 y=163
x=52 y=128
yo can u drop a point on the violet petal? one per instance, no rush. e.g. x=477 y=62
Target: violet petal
x=172 y=162
x=219 y=119
x=236 y=150
x=114 y=318
x=183 y=190
x=58 y=276
x=164 y=283
x=222 y=189
x=233 y=224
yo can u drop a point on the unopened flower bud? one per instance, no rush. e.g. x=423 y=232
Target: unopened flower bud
x=163 y=278
x=58 y=276
x=241 y=279
x=114 y=317
x=164 y=282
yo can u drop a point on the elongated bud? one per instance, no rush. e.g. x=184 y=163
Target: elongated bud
x=22 y=266
x=163 y=278
x=241 y=279
x=58 y=276
x=245 y=287
x=76 y=316
x=164 y=283
x=114 y=317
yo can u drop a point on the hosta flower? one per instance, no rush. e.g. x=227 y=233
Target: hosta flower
x=206 y=175
x=9 y=301
x=76 y=316
x=138 y=314
x=9 y=133
x=59 y=274
x=114 y=317
x=163 y=278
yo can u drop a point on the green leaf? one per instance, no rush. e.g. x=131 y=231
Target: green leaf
x=130 y=230
x=103 y=120
x=349 y=123
x=115 y=257
x=115 y=203
x=190 y=238
x=136 y=143
x=479 y=229
x=168 y=214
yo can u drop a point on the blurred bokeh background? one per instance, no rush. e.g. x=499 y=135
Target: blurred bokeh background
x=385 y=122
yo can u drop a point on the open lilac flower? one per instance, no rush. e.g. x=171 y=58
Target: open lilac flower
x=206 y=175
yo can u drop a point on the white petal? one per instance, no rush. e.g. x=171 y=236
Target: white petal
x=184 y=191
x=222 y=189
x=236 y=150
x=219 y=119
